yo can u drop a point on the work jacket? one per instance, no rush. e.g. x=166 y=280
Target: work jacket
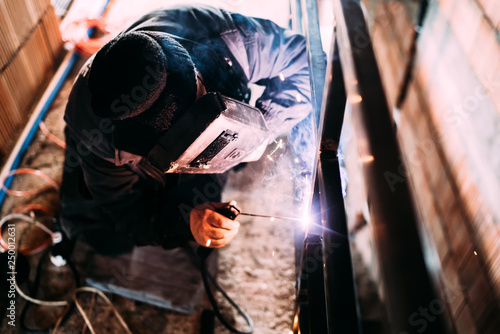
x=112 y=192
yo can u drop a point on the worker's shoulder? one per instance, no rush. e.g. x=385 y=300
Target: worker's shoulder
x=182 y=18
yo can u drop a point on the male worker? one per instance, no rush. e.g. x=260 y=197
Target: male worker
x=136 y=88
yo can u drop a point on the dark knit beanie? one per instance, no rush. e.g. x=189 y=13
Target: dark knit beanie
x=144 y=76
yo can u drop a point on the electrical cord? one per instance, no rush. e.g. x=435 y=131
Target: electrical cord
x=34 y=292
x=22 y=193
x=56 y=140
x=69 y=305
x=203 y=253
x=54 y=237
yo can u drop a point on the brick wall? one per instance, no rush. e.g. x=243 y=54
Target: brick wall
x=449 y=131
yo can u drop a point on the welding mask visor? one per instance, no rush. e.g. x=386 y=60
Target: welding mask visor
x=214 y=135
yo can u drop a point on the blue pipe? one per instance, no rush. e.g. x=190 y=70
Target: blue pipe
x=47 y=105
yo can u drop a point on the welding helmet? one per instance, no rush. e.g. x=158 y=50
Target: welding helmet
x=214 y=135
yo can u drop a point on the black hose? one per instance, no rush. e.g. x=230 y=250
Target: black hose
x=203 y=253
x=34 y=292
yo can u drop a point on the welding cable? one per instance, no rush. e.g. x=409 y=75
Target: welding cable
x=33 y=207
x=84 y=315
x=54 y=237
x=205 y=275
x=34 y=300
x=91 y=308
x=23 y=193
x=34 y=292
x=56 y=140
x=38 y=301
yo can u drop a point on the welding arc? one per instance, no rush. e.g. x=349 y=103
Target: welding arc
x=270 y=217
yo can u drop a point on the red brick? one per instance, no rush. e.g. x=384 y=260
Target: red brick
x=396 y=62
x=407 y=143
x=485 y=50
x=482 y=301
x=445 y=197
x=448 y=6
x=382 y=47
x=472 y=198
x=465 y=323
x=461 y=241
x=406 y=30
x=453 y=291
x=435 y=169
x=411 y=106
x=401 y=25
x=438 y=235
x=488 y=237
x=491 y=9
x=491 y=79
x=382 y=17
x=465 y=21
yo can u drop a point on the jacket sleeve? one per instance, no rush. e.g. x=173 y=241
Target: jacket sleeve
x=133 y=206
x=277 y=59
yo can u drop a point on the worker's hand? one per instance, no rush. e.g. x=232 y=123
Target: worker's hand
x=211 y=229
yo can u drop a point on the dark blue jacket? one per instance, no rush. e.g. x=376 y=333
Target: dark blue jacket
x=110 y=192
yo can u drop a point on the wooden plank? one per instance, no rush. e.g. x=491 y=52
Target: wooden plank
x=10 y=41
x=20 y=17
x=52 y=33
x=10 y=117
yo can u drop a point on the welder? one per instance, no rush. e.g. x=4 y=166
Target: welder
x=160 y=112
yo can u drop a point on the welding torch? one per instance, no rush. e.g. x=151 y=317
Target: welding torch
x=231 y=212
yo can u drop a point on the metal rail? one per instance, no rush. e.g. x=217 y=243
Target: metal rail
x=354 y=78
x=326 y=294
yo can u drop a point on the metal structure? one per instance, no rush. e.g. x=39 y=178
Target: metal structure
x=326 y=293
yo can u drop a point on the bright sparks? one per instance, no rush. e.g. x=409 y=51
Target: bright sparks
x=367 y=158
x=475 y=253
x=305 y=222
x=282 y=77
x=279 y=144
x=208 y=242
x=271 y=219
x=355 y=98
x=298 y=97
